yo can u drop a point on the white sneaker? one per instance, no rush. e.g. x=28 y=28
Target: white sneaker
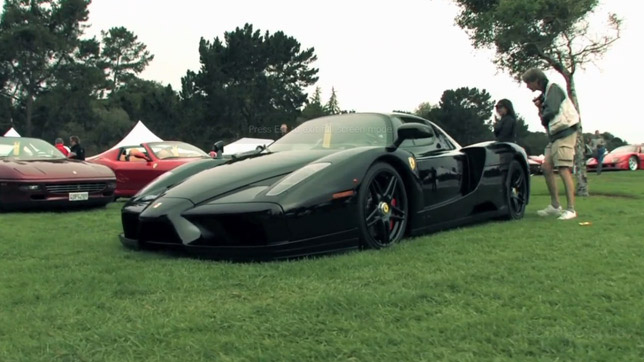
x=567 y=215
x=550 y=211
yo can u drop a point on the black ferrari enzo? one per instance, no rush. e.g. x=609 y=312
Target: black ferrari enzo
x=333 y=183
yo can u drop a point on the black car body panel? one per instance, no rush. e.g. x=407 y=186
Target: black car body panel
x=245 y=209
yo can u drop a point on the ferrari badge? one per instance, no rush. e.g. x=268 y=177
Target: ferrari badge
x=412 y=163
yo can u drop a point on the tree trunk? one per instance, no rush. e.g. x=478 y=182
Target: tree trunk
x=580 y=149
x=28 y=121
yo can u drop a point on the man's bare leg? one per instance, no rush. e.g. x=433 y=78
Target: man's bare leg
x=569 y=184
x=551 y=182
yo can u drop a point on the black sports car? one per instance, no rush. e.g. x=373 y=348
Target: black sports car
x=333 y=183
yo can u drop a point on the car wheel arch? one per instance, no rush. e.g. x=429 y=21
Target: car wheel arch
x=526 y=169
x=414 y=194
x=526 y=172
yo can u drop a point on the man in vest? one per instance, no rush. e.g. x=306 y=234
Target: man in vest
x=561 y=120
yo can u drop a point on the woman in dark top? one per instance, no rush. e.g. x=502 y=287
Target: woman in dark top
x=505 y=129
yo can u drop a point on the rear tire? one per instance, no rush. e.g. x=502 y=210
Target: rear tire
x=516 y=191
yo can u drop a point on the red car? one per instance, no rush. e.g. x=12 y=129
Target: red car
x=535 y=163
x=136 y=166
x=33 y=173
x=629 y=157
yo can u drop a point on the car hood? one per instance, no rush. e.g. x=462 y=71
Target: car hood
x=52 y=169
x=239 y=174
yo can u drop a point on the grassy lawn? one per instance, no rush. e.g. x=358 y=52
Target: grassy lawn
x=536 y=289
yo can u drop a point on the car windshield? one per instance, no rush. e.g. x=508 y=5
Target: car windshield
x=168 y=150
x=625 y=149
x=336 y=133
x=28 y=149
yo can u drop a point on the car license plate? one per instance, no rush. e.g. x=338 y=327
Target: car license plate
x=78 y=196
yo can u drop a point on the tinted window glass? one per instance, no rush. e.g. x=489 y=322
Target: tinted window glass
x=337 y=132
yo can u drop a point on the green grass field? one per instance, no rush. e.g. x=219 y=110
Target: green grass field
x=535 y=289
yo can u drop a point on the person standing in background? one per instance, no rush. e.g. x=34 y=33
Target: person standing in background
x=599 y=149
x=283 y=130
x=505 y=128
x=61 y=146
x=77 y=151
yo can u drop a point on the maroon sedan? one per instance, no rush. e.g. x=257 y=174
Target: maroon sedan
x=33 y=173
x=137 y=166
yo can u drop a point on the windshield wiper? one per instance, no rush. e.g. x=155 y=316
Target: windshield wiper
x=249 y=154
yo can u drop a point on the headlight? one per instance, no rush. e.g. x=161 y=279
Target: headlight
x=149 y=197
x=297 y=177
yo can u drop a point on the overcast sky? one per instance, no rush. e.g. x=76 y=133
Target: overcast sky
x=383 y=55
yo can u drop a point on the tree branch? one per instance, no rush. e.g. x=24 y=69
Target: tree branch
x=571 y=56
x=551 y=61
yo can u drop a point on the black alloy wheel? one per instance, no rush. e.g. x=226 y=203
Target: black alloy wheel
x=516 y=186
x=383 y=208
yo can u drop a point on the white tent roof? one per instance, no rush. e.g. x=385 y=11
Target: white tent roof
x=245 y=145
x=12 y=133
x=139 y=134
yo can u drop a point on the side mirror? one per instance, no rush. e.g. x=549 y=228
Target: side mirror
x=412 y=131
x=218 y=147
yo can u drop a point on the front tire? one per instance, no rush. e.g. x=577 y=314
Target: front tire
x=382 y=207
x=516 y=191
x=633 y=163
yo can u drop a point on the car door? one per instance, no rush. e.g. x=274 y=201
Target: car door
x=133 y=173
x=440 y=167
x=157 y=166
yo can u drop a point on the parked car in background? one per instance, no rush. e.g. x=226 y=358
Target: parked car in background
x=137 y=165
x=628 y=157
x=535 y=163
x=34 y=174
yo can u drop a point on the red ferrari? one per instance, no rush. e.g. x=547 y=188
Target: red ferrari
x=629 y=157
x=34 y=173
x=535 y=163
x=136 y=166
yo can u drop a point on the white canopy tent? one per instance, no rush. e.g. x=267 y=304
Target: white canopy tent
x=139 y=134
x=12 y=133
x=245 y=144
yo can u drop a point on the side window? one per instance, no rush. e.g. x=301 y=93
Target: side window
x=126 y=154
x=407 y=144
x=424 y=142
x=443 y=141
